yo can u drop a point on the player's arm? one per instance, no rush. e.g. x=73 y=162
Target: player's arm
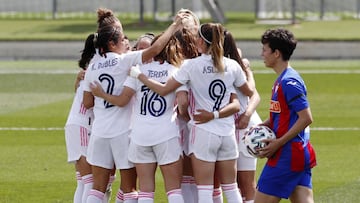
x=254 y=101
x=161 y=89
x=248 y=72
x=160 y=43
x=119 y=100
x=79 y=77
x=203 y=116
x=88 y=99
x=182 y=100
x=304 y=120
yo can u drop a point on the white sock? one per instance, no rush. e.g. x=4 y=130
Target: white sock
x=249 y=201
x=194 y=189
x=146 y=197
x=205 y=193
x=232 y=193
x=217 y=195
x=79 y=188
x=95 y=196
x=119 y=196
x=88 y=183
x=131 y=197
x=175 y=196
x=186 y=189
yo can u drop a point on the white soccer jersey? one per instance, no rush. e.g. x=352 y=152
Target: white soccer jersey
x=154 y=115
x=244 y=100
x=111 y=72
x=212 y=90
x=78 y=114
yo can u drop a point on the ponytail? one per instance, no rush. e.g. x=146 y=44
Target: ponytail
x=213 y=35
x=88 y=52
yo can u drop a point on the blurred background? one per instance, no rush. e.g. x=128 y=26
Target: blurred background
x=262 y=9
x=55 y=29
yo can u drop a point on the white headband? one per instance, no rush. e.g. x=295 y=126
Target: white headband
x=202 y=36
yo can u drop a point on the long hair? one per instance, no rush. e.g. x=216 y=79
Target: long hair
x=188 y=43
x=172 y=52
x=87 y=53
x=231 y=50
x=213 y=35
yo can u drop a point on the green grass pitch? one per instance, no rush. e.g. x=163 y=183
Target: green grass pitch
x=35 y=98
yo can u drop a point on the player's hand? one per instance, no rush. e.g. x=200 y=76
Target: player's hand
x=202 y=116
x=270 y=149
x=246 y=62
x=96 y=89
x=135 y=71
x=181 y=20
x=243 y=121
x=80 y=75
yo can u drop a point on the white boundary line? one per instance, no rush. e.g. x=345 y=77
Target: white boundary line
x=59 y=129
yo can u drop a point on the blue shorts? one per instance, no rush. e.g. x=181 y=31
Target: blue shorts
x=281 y=183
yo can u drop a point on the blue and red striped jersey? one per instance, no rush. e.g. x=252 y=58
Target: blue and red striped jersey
x=289 y=96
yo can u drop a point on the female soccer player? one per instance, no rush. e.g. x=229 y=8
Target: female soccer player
x=78 y=128
x=287 y=173
x=211 y=78
x=187 y=38
x=155 y=138
x=109 y=142
x=143 y=42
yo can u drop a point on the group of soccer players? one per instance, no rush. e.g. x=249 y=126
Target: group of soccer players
x=183 y=103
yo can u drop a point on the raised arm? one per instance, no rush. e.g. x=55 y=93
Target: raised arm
x=159 y=44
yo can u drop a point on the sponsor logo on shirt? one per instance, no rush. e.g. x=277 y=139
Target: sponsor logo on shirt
x=275 y=106
x=293 y=83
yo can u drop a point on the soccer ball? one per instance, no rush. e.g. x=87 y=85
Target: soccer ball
x=253 y=138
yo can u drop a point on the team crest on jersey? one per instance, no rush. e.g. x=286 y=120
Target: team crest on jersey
x=275 y=106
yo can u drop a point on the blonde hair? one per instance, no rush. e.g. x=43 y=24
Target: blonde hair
x=172 y=52
x=193 y=26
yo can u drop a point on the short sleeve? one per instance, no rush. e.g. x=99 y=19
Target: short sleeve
x=295 y=93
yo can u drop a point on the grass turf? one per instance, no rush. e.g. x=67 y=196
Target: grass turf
x=33 y=162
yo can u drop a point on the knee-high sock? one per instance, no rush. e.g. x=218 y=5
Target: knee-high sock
x=88 y=183
x=79 y=188
x=95 y=196
x=217 y=195
x=119 y=196
x=175 y=196
x=186 y=189
x=232 y=193
x=131 y=197
x=146 y=197
x=205 y=193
